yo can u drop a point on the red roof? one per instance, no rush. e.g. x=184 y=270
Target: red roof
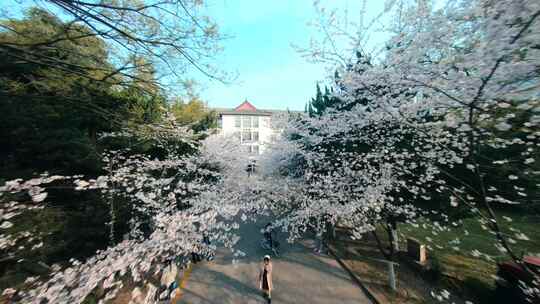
x=245 y=106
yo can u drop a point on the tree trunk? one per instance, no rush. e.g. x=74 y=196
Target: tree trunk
x=393 y=236
x=387 y=255
x=330 y=231
x=112 y=213
x=388 y=229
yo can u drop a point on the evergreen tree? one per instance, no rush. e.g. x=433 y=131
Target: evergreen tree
x=51 y=117
x=311 y=111
x=321 y=101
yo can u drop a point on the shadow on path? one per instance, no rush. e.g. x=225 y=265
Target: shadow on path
x=299 y=275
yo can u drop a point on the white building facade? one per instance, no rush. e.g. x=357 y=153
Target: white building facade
x=252 y=127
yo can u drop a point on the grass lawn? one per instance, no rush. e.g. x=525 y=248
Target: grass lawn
x=465 y=272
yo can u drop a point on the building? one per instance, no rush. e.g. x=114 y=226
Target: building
x=252 y=127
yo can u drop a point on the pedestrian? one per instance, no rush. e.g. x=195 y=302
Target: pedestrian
x=268 y=234
x=207 y=243
x=265 y=278
x=195 y=256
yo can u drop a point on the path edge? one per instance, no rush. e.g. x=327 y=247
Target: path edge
x=355 y=278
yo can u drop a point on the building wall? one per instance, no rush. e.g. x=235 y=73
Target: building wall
x=229 y=127
x=227 y=124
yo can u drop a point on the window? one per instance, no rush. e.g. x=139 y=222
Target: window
x=255 y=136
x=255 y=121
x=246 y=122
x=255 y=149
x=246 y=136
x=265 y=122
x=237 y=121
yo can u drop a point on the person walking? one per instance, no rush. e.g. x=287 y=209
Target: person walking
x=265 y=278
x=268 y=234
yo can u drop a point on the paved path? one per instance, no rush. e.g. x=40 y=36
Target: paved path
x=299 y=276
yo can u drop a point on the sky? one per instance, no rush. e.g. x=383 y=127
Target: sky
x=271 y=74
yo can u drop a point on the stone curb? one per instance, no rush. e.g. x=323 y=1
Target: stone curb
x=368 y=293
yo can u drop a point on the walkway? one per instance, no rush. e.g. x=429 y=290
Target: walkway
x=299 y=276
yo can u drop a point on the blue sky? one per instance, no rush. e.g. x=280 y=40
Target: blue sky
x=271 y=73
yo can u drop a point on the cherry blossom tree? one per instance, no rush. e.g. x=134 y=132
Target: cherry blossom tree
x=464 y=63
x=176 y=200
x=440 y=112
